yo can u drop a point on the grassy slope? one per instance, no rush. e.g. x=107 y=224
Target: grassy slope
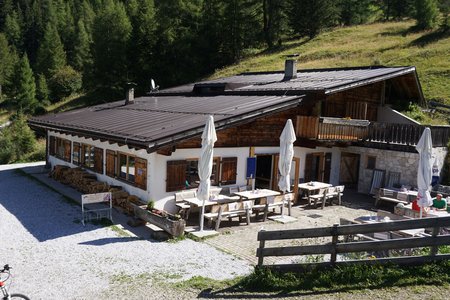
x=389 y=44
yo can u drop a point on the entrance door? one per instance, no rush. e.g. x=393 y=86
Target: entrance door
x=269 y=163
x=318 y=167
x=349 y=171
x=263 y=176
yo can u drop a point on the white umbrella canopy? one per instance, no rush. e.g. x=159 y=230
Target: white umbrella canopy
x=205 y=163
x=287 y=139
x=424 y=172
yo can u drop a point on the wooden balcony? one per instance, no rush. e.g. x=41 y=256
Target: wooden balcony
x=347 y=130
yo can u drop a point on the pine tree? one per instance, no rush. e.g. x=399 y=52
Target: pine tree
x=273 y=20
x=354 y=11
x=8 y=60
x=25 y=96
x=13 y=30
x=82 y=57
x=42 y=92
x=111 y=34
x=308 y=18
x=426 y=14
x=51 y=55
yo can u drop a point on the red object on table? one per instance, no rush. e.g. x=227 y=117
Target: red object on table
x=415 y=206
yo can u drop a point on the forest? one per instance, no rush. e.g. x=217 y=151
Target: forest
x=52 y=49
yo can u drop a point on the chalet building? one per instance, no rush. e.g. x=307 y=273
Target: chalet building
x=345 y=124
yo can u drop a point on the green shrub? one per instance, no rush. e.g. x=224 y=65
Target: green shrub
x=64 y=82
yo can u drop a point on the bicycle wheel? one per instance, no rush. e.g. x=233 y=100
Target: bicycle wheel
x=19 y=296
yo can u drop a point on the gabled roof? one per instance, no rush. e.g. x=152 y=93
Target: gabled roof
x=312 y=80
x=154 y=122
x=179 y=113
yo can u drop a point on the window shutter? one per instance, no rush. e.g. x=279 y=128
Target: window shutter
x=111 y=163
x=308 y=167
x=67 y=150
x=51 y=147
x=228 y=170
x=141 y=173
x=176 y=175
x=98 y=160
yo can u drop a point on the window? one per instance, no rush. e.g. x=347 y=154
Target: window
x=87 y=156
x=371 y=162
x=76 y=153
x=60 y=148
x=92 y=158
x=132 y=169
x=229 y=170
x=183 y=174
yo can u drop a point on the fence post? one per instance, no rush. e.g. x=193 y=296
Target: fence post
x=434 y=249
x=334 y=241
x=261 y=247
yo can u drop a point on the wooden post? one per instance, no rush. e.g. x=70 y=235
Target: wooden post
x=434 y=249
x=334 y=241
x=260 y=255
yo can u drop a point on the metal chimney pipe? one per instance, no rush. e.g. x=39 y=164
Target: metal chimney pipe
x=290 y=67
x=129 y=96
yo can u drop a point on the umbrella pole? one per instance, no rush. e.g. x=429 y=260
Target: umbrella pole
x=202 y=214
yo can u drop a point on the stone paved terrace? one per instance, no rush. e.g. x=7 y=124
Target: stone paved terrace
x=241 y=239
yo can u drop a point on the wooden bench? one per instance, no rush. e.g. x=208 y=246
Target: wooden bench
x=183 y=206
x=274 y=202
x=329 y=194
x=390 y=196
x=229 y=210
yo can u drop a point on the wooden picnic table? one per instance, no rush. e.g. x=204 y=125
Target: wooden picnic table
x=312 y=187
x=195 y=202
x=257 y=194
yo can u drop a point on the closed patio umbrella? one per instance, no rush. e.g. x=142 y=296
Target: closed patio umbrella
x=205 y=163
x=287 y=140
x=424 y=172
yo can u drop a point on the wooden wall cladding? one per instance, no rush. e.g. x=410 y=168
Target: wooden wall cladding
x=355 y=103
x=261 y=132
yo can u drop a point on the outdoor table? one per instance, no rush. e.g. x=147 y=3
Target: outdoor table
x=199 y=203
x=257 y=194
x=313 y=187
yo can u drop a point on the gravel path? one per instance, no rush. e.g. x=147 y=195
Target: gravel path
x=54 y=257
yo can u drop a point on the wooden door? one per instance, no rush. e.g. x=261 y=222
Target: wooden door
x=349 y=170
x=141 y=173
x=315 y=167
x=327 y=168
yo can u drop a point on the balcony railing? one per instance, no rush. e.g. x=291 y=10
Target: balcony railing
x=336 y=129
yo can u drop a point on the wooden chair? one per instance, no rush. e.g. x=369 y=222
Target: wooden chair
x=320 y=196
x=393 y=179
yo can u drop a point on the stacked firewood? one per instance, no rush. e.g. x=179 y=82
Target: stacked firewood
x=87 y=183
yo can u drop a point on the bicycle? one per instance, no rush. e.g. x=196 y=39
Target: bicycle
x=4 y=289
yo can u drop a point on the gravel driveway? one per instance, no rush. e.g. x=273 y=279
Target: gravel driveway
x=54 y=257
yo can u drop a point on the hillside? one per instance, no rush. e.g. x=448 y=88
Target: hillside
x=388 y=44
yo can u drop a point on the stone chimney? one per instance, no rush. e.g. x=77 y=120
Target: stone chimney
x=290 y=67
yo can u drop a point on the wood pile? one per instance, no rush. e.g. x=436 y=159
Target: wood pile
x=87 y=183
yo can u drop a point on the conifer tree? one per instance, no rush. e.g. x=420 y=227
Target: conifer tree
x=42 y=92
x=51 y=55
x=82 y=57
x=111 y=34
x=8 y=60
x=426 y=14
x=13 y=30
x=25 y=96
x=308 y=18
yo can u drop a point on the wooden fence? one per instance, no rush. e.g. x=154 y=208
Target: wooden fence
x=338 y=246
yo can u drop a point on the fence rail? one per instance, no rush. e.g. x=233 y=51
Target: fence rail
x=357 y=130
x=336 y=247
